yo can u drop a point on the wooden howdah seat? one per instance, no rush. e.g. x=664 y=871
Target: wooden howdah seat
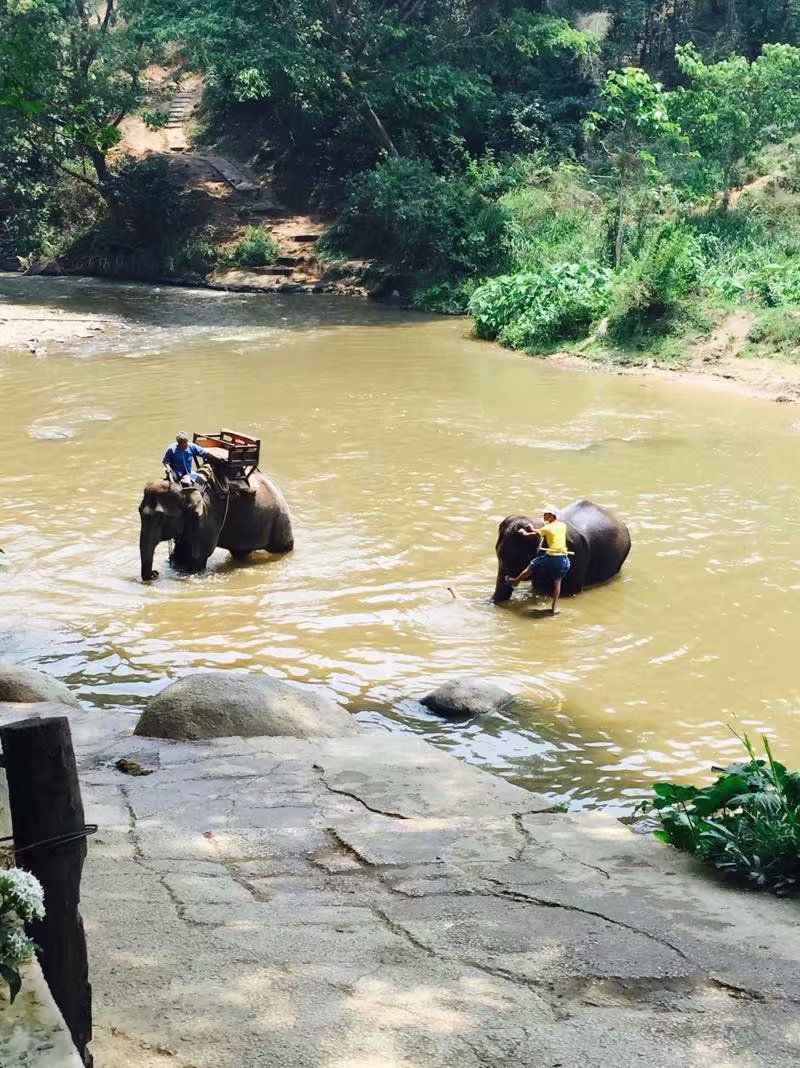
x=243 y=451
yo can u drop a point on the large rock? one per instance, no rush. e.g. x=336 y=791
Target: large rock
x=467 y=697
x=26 y=684
x=219 y=704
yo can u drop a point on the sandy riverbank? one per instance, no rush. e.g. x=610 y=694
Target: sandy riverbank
x=38 y=328
x=715 y=363
x=762 y=379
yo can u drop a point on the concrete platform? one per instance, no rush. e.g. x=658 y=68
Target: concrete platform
x=371 y=901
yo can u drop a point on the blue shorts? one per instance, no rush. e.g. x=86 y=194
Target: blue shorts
x=546 y=568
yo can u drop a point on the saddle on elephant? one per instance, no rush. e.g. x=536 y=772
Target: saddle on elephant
x=238 y=452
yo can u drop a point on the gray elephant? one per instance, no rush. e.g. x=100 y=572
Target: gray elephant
x=597 y=539
x=201 y=518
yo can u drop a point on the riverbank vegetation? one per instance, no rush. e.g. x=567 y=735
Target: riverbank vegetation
x=746 y=824
x=617 y=180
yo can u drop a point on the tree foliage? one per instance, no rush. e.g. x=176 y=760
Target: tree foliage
x=730 y=109
x=331 y=86
x=66 y=83
x=417 y=221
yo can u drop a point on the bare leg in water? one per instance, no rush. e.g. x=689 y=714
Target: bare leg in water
x=556 y=595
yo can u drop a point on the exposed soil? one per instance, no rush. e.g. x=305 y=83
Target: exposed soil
x=715 y=362
x=235 y=198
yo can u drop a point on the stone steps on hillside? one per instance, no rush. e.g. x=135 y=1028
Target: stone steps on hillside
x=180 y=109
x=232 y=174
x=181 y=106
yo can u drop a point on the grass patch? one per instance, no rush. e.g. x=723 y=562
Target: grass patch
x=198 y=255
x=255 y=249
x=776 y=335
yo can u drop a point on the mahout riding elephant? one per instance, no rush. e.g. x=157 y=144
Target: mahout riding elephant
x=201 y=517
x=597 y=539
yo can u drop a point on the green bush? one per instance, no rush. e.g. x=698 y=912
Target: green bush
x=256 y=249
x=141 y=227
x=155 y=119
x=154 y=208
x=746 y=824
x=448 y=298
x=749 y=254
x=198 y=255
x=776 y=333
x=557 y=237
x=407 y=216
x=667 y=270
x=539 y=308
x=776 y=284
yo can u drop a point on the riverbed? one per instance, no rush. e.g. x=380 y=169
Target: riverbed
x=400 y=442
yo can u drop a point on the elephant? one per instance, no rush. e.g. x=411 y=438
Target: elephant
x=597 y=539
x=200 y=518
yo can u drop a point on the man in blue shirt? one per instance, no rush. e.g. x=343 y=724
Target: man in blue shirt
x=178 y=458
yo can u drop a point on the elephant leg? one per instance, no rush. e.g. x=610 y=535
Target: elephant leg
x=240 y=554
x=281 y=538
x=183 y=559
x=502 y=590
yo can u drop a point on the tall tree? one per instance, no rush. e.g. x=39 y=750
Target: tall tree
x=730 y=109
x=635 y=132
x=68 y=76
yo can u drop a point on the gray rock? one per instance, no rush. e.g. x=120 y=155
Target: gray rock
x=219 y=704
x=467 y=697
x=26 y=684
x=45 y=266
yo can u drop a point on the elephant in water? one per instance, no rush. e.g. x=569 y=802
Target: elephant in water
x=199 y=519
x=598 y=540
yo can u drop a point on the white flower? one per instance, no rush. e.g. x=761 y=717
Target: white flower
x=15 y=946
x=22 y=893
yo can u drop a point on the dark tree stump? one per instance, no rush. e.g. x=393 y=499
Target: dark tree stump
x=45 y=802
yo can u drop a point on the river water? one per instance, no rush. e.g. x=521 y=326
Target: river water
x=399 y=443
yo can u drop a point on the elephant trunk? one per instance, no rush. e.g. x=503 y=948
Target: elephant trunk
x=502 y=590
x=148 y=539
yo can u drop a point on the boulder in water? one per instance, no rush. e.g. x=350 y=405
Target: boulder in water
x=20 y=684
x=467 y=697
x=220 y=704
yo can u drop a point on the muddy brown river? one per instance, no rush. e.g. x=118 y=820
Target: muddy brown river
x=399 y=443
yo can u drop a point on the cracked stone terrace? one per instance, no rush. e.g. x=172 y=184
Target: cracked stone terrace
x=369 y=900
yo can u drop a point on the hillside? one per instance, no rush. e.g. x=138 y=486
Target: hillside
x=619 y=182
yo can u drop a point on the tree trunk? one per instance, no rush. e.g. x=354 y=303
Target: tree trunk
x=379 y=129
x=376 y=126
x=105 y=186
x=620 y=238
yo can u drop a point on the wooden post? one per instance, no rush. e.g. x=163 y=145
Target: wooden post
x=45 y=803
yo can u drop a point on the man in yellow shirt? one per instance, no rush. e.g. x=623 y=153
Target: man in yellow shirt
x=552 y=563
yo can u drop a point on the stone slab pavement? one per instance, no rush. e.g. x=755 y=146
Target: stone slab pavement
x=371 y=901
